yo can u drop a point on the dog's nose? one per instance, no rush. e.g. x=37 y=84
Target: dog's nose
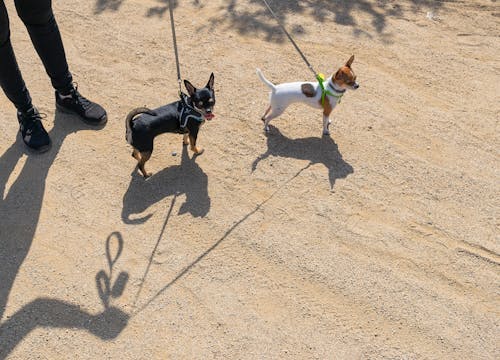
x=355 y=86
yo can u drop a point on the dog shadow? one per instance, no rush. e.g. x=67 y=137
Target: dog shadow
x=316 y=150
x=54 y=313
x=187 y=178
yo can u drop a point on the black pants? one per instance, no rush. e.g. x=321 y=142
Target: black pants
x=42 y=27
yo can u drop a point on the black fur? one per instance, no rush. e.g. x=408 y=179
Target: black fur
x=143 y=124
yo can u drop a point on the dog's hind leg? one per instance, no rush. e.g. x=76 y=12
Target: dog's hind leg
x=185 y=139
x=276 y=111
x=136 y=155
x=142 y=162
x=263 y=118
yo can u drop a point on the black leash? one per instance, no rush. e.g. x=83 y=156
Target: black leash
x=179 y=80
x=291 y=39
x=318 y=77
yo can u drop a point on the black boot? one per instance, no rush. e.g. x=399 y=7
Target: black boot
x=32 y=131
x=74 y=103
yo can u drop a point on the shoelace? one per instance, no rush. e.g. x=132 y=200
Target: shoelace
x=32 y=121
x=79 y=99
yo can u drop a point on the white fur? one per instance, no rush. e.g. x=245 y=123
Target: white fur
x=283 y=95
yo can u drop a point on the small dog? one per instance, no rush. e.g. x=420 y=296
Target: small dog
x=310 y=93
x=184 y=117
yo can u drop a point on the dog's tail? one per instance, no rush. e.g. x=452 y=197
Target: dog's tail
x=130 y=117
x=265 y=81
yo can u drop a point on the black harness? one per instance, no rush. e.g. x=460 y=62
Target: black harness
x=187 y=112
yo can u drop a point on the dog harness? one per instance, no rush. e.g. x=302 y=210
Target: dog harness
x=338 y=93
x=187 y=112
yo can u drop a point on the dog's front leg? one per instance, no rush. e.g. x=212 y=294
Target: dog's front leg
x=192 y=140
x=185 y=139
x=326 y=124
x=327 y=110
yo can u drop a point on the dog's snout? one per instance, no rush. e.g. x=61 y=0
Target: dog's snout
x=355 y=86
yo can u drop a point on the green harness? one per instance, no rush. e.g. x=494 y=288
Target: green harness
x=324 y=92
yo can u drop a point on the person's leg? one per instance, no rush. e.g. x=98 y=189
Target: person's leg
x=39 y=19
x=11 y=80
x=12 y=83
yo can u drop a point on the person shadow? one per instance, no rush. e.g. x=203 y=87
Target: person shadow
x=20 y=207
x=54 y=313
x=187 y=178
x=316 y=150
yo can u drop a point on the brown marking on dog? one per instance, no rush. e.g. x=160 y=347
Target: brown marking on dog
x=194 y=148
x=263 y=118
x=142 y=162
x=327 y=107
x=349 y=62
x=308 y=90
x=185 y=140
x=345 y=76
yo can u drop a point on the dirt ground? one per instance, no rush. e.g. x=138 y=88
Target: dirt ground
x=380 y=241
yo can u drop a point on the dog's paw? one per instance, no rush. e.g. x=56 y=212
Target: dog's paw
x=198 y=151
x=267 y=129
x=326 y=132
x=147 y=175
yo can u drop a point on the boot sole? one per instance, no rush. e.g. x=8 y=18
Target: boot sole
x=40 y=150
x=101 y=122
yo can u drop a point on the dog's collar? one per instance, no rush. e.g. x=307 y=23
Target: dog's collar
x=332 y=86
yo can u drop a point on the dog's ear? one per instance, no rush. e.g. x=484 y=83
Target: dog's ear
x=189 y=87
x=210 y=83
x=349 y=62
x=338 y=75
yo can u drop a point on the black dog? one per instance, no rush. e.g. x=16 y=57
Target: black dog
x=184 y=117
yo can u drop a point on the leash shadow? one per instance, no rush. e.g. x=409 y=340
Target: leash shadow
x=313 y=149
x=187 y=178
x=54 y=313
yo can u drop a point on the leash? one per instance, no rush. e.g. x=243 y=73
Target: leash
x=179 y=80
x=318 y=77
x=290 y=38
x=182 y=121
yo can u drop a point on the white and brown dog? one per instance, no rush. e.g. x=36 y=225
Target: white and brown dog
x=310 y=93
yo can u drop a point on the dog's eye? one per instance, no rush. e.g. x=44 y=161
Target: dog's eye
x=211 y=101
x=200 y=103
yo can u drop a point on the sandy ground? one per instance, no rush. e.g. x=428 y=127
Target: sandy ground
x=381 y=241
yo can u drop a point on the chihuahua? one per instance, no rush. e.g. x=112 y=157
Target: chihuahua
x=310 y=93
x=184 y=117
